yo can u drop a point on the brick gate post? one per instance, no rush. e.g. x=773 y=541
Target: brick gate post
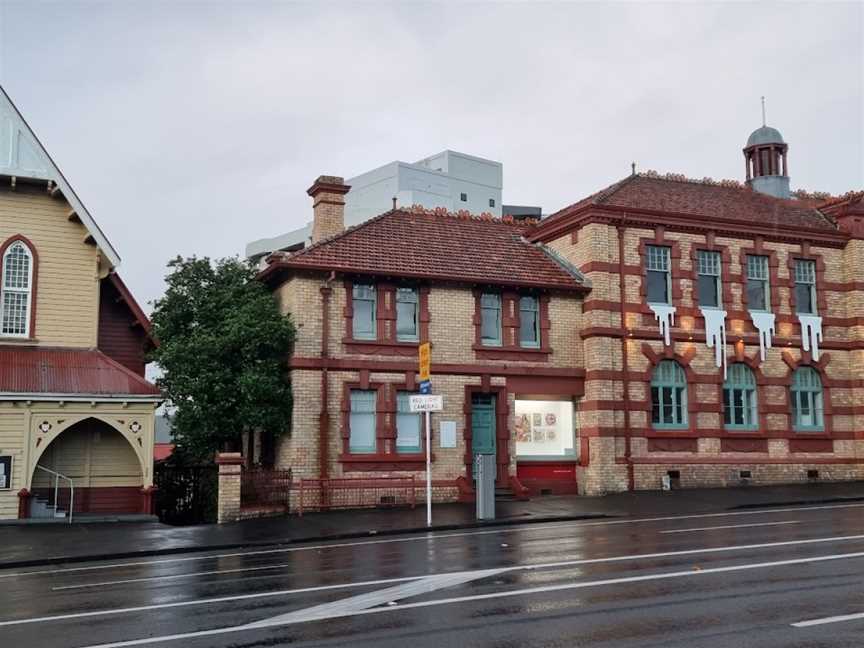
x=230 y=469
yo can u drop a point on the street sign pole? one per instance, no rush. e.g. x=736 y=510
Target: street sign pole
x=428 y=470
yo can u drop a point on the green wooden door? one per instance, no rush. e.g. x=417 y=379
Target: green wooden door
x=483 y=424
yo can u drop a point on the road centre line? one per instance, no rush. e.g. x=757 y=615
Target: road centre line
x=208 y=601
x=277 y=622
x=568 y=563
x=425 y=537
x=145 y=579
x=733 y=526
x=825 y=620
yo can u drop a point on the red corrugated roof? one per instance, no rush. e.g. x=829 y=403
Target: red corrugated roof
x=40 y=370
x=441 y=246
x=702 y=199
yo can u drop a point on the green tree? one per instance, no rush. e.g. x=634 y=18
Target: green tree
x=222 y=348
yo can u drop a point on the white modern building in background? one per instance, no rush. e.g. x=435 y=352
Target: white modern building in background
x=452 y=180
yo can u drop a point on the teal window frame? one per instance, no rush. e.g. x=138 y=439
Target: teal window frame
x=364 y=293
x=807 y=395
x=404 y=416
x=490 y=303
x=669 y=395
x=411 y=297
x=362 y=414
x=529 y=308
x=740 y=400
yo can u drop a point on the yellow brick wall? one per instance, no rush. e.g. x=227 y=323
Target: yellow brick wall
x=67 y=304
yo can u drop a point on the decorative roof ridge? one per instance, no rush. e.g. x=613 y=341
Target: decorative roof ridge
x=680 y=177
x=591 y=199
x=464 y=214
x=830 y=201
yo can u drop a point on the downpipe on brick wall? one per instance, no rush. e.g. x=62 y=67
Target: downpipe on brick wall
x=324 y=416
x=625 y=364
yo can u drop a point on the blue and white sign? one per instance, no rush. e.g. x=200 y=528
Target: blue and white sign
x=426 y=387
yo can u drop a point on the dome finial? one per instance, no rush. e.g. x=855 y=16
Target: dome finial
x=763 y=111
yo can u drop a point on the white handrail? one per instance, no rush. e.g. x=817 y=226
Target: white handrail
x=57 y=478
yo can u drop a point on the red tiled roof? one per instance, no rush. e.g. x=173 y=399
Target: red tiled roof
x=440 y=246
x=40 y=370
x=702 y=199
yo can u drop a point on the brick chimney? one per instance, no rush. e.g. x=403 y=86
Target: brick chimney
x=328 y=206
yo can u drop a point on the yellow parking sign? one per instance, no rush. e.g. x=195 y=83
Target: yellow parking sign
x=424 y=352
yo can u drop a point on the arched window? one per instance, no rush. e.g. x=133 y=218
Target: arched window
x=739 y=398
x=16 y=290
x=807 y=400
x=668 y=395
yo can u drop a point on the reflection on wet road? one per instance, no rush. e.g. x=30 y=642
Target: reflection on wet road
x=789 y=577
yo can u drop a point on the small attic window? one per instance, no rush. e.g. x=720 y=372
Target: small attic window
x=463 y=197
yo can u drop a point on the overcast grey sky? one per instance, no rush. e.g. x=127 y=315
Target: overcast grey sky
x=193 y=128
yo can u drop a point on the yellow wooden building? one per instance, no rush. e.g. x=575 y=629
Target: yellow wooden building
x=76 y=413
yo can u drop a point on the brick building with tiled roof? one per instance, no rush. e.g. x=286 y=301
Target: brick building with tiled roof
x=700 y=332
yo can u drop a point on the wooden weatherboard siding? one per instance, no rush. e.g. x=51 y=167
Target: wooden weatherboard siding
x=119 y=336
x=67 y=302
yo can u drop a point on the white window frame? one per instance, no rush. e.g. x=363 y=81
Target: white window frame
x=6 y=289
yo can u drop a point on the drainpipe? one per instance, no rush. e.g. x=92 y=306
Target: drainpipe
x=625 y=364
x=324 y=416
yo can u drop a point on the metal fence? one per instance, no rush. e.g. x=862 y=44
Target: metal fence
x=365 y=492
x=263 y=487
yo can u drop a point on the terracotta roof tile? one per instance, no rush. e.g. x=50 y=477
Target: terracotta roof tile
x=702 y=199
x=40 y=370
x=438 y=245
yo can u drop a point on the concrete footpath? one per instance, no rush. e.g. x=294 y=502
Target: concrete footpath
x=45 y=544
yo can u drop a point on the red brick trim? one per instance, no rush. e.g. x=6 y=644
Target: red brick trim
x=821 y=298
x=744 y=445
x=668 y=353
x=510 y=348
x=385 y=321
x=725 y=272
x=502 y=431
x=773 y=277
x=745 y=461
x=402 y=366
x=659 y=239
x=811 y=445
x=35 y=275
x=673 y=445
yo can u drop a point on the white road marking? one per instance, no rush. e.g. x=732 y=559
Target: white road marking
x=831 y=619
x=207 y=601
x=538 y=566
x=276 y=622
x=733 y=526
x=528 y=527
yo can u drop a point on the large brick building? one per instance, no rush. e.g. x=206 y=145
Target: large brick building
x=709 y=332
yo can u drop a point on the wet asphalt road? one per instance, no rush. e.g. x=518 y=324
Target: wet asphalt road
x=726 y=580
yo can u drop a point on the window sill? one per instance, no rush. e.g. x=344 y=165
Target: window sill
x=381 y=462
x=512 y=353
x=14 y=339
x=380 y=347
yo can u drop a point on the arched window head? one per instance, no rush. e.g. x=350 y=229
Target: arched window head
x=16 y=290
x=668 y=396
x=739 y=398
x=807 y=400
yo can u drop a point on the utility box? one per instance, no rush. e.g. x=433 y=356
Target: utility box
x=484 y=468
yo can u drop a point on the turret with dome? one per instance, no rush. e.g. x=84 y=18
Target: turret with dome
x=765 y=159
